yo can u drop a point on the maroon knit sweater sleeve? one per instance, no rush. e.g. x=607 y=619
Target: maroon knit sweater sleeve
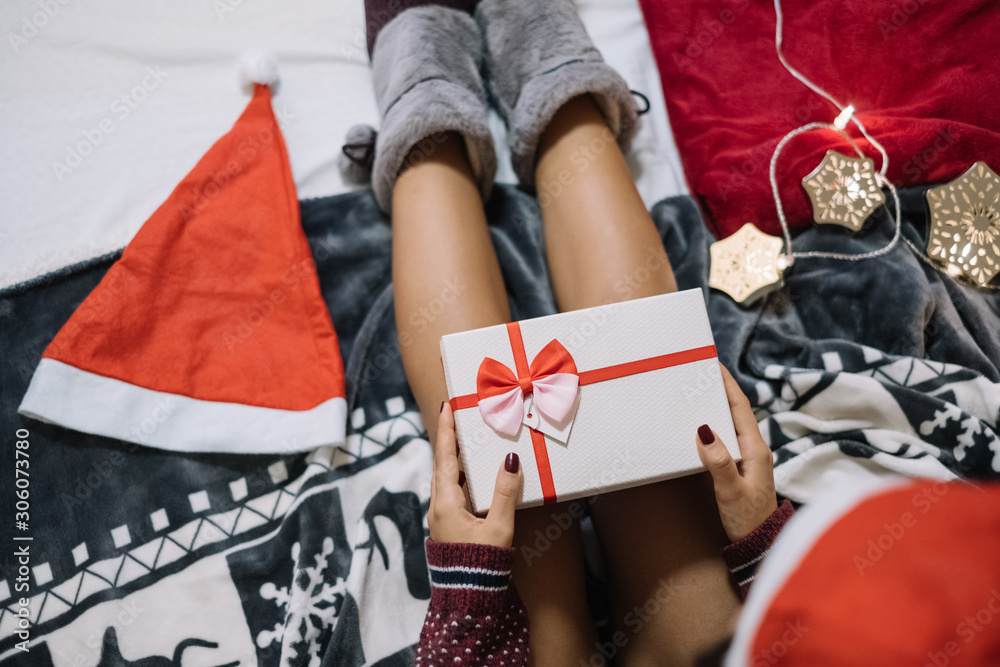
x=475 y=615
x=743 y=556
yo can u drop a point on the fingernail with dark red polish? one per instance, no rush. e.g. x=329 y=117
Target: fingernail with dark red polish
x=706 y=435
x=442 y=406
x=461 y=477
x=512 y=463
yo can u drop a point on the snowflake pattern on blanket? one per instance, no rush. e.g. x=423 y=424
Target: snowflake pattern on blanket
x=309 y=607
x=877 y=415
x=274 y=580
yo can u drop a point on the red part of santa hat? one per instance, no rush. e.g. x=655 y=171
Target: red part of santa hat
x=210 y=334
x=899 y=574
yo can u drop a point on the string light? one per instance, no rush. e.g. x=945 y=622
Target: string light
x=748 y=264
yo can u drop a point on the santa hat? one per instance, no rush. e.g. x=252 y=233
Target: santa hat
x=210 y=334
x=899 y=574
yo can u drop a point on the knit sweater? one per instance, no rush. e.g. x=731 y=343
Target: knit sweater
x=743 y=556
x=476 y=617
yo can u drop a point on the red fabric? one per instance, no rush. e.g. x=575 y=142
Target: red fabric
x=908 y=577
x=647 y=365
x=606 y=373
x=217 y=297
x=922 y=75
x=537 y=439
x=544 y=467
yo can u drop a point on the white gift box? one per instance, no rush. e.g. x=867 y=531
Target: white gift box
x=648 y=377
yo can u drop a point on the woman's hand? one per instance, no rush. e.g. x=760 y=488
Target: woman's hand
x=744 y=491
x=450 y=516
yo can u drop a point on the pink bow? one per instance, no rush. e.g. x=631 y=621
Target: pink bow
x=552 y=379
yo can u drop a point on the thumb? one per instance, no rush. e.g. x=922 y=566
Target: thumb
x=500 y=518
x=716 y=458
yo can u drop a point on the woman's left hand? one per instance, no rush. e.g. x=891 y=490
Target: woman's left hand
x=744 y=491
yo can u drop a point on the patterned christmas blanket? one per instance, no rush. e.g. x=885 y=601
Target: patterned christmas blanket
x=148 y=556
x=886 y=366
x=868 y=54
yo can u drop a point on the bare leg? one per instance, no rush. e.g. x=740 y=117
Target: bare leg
x=442 y=257
x=552 y=585
x=661 y=541
x=442 y=254
x=602 y=245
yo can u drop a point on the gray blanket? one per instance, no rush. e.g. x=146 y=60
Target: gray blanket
x=859 y=369
x=141 y=556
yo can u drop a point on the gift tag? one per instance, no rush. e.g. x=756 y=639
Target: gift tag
x=558 y=431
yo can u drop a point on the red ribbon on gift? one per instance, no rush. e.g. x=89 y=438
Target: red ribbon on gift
x=551 y=379
x=495 y=379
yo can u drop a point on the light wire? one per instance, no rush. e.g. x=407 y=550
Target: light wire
x=879 y=179
x=846 y=115
x=778 y=39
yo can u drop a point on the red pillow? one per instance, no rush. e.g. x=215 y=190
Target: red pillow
x=923 y=77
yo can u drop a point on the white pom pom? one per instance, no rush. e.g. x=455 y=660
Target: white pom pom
x=258 y=67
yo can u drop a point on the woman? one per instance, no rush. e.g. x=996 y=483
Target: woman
x=570 y=118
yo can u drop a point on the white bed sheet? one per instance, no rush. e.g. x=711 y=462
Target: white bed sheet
x=144 y=89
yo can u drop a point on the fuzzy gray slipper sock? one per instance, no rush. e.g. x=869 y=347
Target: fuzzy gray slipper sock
x=425 y=66
x=538 y=58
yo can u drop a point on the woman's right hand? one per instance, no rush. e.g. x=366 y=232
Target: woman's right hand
x=450 y=516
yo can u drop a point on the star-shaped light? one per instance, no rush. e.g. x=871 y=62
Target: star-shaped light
x=965 y=225
x=747 y=265
x=843 y=191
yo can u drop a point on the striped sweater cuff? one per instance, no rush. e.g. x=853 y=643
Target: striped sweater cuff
x=743 y=556
x=472 y=576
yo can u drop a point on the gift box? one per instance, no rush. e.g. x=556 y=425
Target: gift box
x=592 y=401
